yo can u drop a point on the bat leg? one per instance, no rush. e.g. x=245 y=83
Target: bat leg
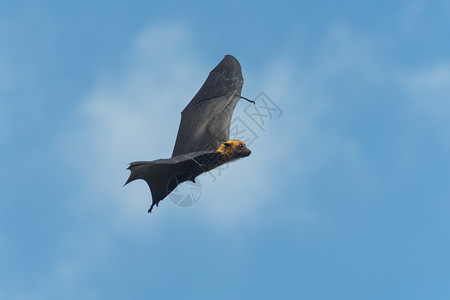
x=251 y=101
x=151 y=207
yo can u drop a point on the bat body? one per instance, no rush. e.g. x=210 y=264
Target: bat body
x=203 y=136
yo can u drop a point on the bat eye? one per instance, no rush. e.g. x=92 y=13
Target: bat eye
x=240 y=147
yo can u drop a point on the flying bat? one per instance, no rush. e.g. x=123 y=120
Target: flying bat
x=202 y=142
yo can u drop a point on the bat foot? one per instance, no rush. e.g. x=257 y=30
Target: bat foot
x=151 y=207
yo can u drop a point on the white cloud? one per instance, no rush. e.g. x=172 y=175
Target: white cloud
x=134 y=115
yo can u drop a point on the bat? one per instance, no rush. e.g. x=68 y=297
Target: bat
x=202 y=143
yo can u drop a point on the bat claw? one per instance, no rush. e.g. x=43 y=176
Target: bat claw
x=150 y=209
x=251 y=101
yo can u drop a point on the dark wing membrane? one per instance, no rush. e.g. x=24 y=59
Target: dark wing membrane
x=163 y=175
x=205 y=122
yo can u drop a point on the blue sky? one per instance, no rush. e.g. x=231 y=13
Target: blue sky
x=345 y=196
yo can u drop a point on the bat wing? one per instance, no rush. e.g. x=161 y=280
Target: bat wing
x=205 y=122
x=164 y=175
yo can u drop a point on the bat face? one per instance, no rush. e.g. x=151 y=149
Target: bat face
x=234 y=149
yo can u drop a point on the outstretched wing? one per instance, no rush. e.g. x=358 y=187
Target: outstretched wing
x=205 y=122
x=163 y=175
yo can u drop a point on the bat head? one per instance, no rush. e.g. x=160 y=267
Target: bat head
x=234 y=149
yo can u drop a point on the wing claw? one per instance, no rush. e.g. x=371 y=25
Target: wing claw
x=251 y=101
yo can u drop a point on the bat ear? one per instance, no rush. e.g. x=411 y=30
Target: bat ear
x=227 y=144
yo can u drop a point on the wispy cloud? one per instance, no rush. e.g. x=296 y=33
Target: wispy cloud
x=134 y=115
x=130 y=116
x=364 y=108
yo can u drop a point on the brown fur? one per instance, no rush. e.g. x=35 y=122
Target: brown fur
x=232 y=150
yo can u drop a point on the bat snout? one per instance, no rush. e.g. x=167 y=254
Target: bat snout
x=246 y=152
